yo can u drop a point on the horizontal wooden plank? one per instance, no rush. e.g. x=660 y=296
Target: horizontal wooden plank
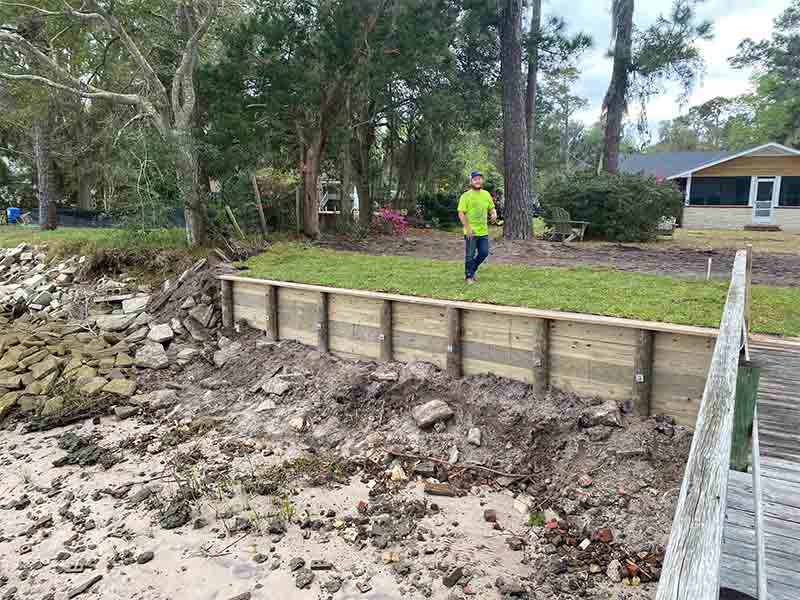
x=688 y=330
x=496 y=329
x=360 y=311
x=354 y=340
x=471 y=366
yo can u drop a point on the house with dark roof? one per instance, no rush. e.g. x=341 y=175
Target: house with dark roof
x=757 y=188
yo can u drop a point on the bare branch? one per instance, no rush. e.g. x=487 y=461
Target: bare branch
x=41 y=11
x=130 y=99
x=114 y=26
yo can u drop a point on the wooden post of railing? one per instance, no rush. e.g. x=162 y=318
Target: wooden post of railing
x=643 y=373
x=691 y=569
x=271 y=312
x=454 y=342
x=386 y=331
x=541 y=357
x=226 y=297
x=322 y=322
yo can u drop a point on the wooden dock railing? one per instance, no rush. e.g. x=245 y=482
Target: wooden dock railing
x=691 y=569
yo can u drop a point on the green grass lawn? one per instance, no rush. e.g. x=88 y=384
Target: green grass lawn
x=580 y=289
x=83 y=240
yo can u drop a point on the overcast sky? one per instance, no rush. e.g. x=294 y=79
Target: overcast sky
x=733 y=21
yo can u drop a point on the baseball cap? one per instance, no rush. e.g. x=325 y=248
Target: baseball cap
x=475 y=174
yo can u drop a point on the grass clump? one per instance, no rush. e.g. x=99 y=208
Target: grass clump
x=536 y=519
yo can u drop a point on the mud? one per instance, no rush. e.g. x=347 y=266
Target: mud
x=227 y=474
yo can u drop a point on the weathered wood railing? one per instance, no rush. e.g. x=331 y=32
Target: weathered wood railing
x=691 y=569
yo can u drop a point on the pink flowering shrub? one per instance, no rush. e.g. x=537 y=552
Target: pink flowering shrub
x=390 y=221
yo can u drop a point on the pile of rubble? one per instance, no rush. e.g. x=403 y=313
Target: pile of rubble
x=67 y=341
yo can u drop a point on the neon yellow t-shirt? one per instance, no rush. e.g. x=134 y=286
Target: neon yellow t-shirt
x=476 y=205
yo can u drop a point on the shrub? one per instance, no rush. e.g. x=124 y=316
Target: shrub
x=619 y=206
x=390 y=221
x=440 y=210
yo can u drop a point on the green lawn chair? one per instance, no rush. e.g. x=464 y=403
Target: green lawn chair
x=563 y=228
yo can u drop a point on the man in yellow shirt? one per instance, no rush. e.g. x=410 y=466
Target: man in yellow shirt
x=473 y=208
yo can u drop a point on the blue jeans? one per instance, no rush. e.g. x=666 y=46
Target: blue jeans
x=475 y=252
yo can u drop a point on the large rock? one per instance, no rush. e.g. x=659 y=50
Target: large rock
x=7 y=403
x=221 y=357
x=203 y=313
x=93 y=386
x=45 y=367
x=115 y=322
x=160 y=333
x=152 y=356
x=430 y=413
x=120 y=387
x=195 y=329
x=133 y=306
x=157 y=399
x=10 y=381
x=607 y=413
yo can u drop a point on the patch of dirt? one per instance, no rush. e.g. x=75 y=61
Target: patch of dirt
x=776 y=269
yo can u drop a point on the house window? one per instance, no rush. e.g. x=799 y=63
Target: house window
x=716 y=191
x=790 y=191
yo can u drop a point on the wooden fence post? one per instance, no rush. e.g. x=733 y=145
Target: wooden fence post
x=271 y=310
x=322 y=322
x=541 y=356
x=643 y=373
x=226 y=296
x=386 y=331
x=454 y=341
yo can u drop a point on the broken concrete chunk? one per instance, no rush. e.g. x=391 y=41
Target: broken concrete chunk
x=135 y=305
x=221 y=357
x=138 y=335
x=121 y=387
x=160 y=333
x=93 y=386
x=430 y=413
x=195 y=329
x=474 y=436
x=45 y=367
x=125 y=412
x=606 y=413
x=203 y=314
x=114 y=322
x=152 y=356
x=188 y=304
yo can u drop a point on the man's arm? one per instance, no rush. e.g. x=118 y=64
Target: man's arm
x=465 y=222
x=493 y=215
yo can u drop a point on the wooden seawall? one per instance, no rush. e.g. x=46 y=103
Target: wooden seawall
x=658 y=368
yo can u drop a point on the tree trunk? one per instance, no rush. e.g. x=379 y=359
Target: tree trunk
x=310 y=174
x=530 y=95
x=40 y=134
x=186 y=170
x=363 y=140
x=85 y=184
x=616 y=100
x=518 y=224
x=565 y=134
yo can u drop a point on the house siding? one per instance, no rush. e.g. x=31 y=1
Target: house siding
x=754 y=166
x=720 y=217
x=717 y=217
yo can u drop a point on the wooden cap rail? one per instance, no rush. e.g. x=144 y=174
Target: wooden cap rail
x=691 y=569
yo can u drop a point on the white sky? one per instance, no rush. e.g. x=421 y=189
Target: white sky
x=733 y=21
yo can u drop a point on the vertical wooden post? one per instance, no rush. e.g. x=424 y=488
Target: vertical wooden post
x=454 y=341
x=271 y=310
x=322 y=322
x=643 y=373
x=386 y=331
x=541 y=357
x=748 y=298
x=746 y=392
x=226 y=297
